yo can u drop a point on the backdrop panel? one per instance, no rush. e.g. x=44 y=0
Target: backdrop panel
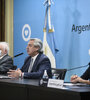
x=71 y=21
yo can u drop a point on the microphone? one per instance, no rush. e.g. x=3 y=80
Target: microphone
x=78 y=67
x=18 y=55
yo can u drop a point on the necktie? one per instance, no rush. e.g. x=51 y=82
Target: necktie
x=31 y=65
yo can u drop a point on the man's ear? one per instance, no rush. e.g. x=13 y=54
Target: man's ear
x=37 y=49
x=5 y=51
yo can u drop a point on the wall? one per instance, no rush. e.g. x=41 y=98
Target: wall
x=9 y=24
x=71 y=21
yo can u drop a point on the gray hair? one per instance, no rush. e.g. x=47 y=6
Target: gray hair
x=38 y=43
x=5 y=46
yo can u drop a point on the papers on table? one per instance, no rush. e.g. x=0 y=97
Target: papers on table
x=71 y=84
x=4 y=77
x=77 y=85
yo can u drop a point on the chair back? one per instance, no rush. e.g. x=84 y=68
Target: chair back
x=59 y=73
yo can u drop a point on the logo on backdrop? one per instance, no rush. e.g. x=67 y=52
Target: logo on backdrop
x=80 y=28
x=26 y=32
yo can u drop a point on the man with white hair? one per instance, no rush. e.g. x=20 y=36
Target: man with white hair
x=35 y=64
x=6 y=61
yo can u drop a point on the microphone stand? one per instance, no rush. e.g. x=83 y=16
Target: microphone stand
x=14 y=66
x=79 y=67
x=18 y=55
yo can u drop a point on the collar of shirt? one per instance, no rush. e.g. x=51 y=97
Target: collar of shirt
x=2 y=56
x=34 y=58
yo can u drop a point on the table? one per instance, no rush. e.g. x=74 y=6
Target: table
x=29 y=89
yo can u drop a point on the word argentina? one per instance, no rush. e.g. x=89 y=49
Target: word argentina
x=80 y=28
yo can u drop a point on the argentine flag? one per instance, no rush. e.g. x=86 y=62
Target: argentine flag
x=48 y=52
x=49 y=44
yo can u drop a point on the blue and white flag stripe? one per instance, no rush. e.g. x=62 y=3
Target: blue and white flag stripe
x=48 y=51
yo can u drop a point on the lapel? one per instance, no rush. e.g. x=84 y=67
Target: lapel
x=27 y=64
x=36 y=63
x=3 y=59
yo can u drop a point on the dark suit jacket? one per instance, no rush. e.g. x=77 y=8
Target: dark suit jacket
x=6 y=63
x=41 y=63
x=86 y=74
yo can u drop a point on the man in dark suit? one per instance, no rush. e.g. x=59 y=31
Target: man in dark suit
x=6 y=61
x=35 y=64
x=83 y=79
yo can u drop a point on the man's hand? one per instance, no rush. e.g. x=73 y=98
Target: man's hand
x=14 y=73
